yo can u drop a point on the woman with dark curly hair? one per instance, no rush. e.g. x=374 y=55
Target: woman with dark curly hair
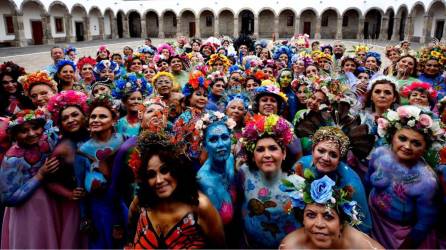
x=169 y=211
x=12 y=97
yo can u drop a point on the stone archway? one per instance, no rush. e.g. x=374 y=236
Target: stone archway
x=287 y=22
x=350 y=21
x=308 y=19
x=169 y=24
x=134 y=24
x=226 y=23
x=329 y=20
x=266 y=23
x=435 y=25
x=402 y=14
x=108 y=24
x=372 y=24
x=96 y=24
x=188 y=23
x=207 y=21
x=391 y=14
x=417 y=14
x=60 y=21
x=35 y=25
x=246 y=22
x=152 y=23
x=120 y=24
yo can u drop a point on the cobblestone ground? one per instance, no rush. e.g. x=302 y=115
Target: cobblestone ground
x=37 y=57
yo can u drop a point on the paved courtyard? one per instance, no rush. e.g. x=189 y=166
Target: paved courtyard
x=37 y=57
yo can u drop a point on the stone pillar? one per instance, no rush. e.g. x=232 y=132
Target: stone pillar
x=360 y=34
x=339 y=28
x=408 y=31
x=297 y=25
x=443 y=38
x=256 y=27
x=384 y=28
x=276 y=27
x=236 y=32
x=317 y=33
x=69 y=29
x=178 y=27
x=20 y=40
x=101 y=28
x=144 y=28
x=47 y=30
x=427 y=29
x=396 y=29
x=197 y=27
x=161 y=27
x=125 y=27
x=216 y=27
x=87 y=32
x=114 y=27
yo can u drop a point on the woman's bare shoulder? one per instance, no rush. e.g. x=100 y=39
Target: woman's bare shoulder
x=359 y=240
x=293 y=240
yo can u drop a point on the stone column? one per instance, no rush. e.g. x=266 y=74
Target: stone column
x=47 y=30
x=20 y=40
x=236 y=32
x=197 y=27
x=360 y=34
x=69 y=29
x=427 y=29
x=339 y=28
x=161 y=27
x=114 y=27
x=178 y=27
x=408 y=32
x=317 y=33
x=144 y=28
x=443 y=38
x=276 y=27
x=396 y=29
x=101 y=28
x=125 y=27
x=256 y=27
x=384 y=28
x=297 y=25
x=216 y=27
x=87 y=32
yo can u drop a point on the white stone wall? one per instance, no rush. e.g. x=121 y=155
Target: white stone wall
x=31 y=12
x=57 y=11
x=107 y=25
x=94 y=23
x=4 y=10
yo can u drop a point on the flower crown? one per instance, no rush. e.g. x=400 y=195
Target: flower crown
x=103 y=48
x=11 y=68
x=155 y=101
x=350 y=57
x=361 y=47
x=282 y=50
x=64 y=99
x=272 y=125
x=320 y=191
x=438 y=52
x=375 y=55
x=420 y=85
x=332 y=134
x=26 y=115
x=219 y=57
x=85 y=60
x=106 y=64
x=196 y=81
x=304 y=57
x=166 y=46
x=217 y=75
x=238 y=97
x=212 y=117
x=412 y=117
x=130 y=83
x=323 y=55
x=39 y=77
x=270 y=88
x=61 y=63
x=146 y=49
x=301 y=39
x=69 y=49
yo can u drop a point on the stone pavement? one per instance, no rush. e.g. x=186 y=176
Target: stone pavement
x=37 y=57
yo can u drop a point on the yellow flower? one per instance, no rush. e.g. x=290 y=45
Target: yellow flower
x=270 y=121
x=435 y=54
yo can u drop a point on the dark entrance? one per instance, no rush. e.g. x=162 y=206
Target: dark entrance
x=191 y=29
x=439 y=29
x=135 y=24
x=247 y=22
x=390 y=30
x=119 y=24
x=79 y=26
x=37 y=32
x=307 y=28
x=403 y=25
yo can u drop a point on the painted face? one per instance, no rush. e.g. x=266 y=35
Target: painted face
x=418 y=98
x=326 y=156
x=383 y=96
x=72 y=119
x=284 y=58
x=236 y=110
x=67 y=73
x=316 y=100
x=136 y=66
x=101 y=90
x=163 y=85
x=218 y=88
x=29 y=134
x=432 y=67
x=133 y=101
x=9 y=85
x=199 y=99
x=408 y=145
x=285 y=78
x=371 y=63
x=311 y=71
x=322 y=225
x=268 y=156
x=40 y=94
x=218 y=142
x=87 y=71
x=268 y=105
x=301 y=95
x=154 y=116
x=349 y=66
x=101 y=120
x=405 y=66
x=176 y=65
x=107 y=74
x=159 y=177
x=251 y=85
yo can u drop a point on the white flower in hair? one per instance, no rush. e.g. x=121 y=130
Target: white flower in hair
x=231 y=123
x=393 y=116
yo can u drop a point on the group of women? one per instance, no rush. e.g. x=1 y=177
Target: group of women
x=226 y=143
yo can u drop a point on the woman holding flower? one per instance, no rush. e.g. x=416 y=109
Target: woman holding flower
x=403 y=186
x=264 y=206
x=328 y=215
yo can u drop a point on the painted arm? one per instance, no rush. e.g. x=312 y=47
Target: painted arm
x=210 y=221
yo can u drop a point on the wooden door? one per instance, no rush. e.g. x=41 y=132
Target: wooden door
x=307 y=28
x=191 y=29
x=37 y=32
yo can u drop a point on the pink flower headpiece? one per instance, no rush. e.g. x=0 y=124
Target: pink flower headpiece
x=420 y=85
x=166 y=46
x=65 y=99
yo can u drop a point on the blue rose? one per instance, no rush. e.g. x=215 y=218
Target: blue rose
x=348 y=207
x=297 y=199
x=321 y=190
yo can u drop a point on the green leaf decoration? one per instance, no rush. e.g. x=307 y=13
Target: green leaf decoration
x=287 y=183
x=308 y=174
x=307 y=198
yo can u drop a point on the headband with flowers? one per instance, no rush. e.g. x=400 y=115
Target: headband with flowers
x=301 y=39
x=268 y=87
x=360 y=47
x=85 y=60
x=322 y=191
x=260 y=126
x=216 y=75
x=411 y=117
x=283 y=50
x=103 y=48
x=196 y=80
x=163 y=73
x=146 y=49
x=39 y=77
x=212 y=117
x=419 y=85
x=65 y=99
x=392 y=48
x=11 y=69
x=154 y=101
x=335 y=134
x=106 y=64
x=61 y=63
x=164 y=46
x=26 y=115
x=68 y=49
x=322 y=55
x=219 y=57
x=238 y=97
x=374 y=54
x=130 y=83
x=302 y=57
x=437 y=52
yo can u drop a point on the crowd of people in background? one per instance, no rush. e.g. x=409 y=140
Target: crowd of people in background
x=226 y=143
